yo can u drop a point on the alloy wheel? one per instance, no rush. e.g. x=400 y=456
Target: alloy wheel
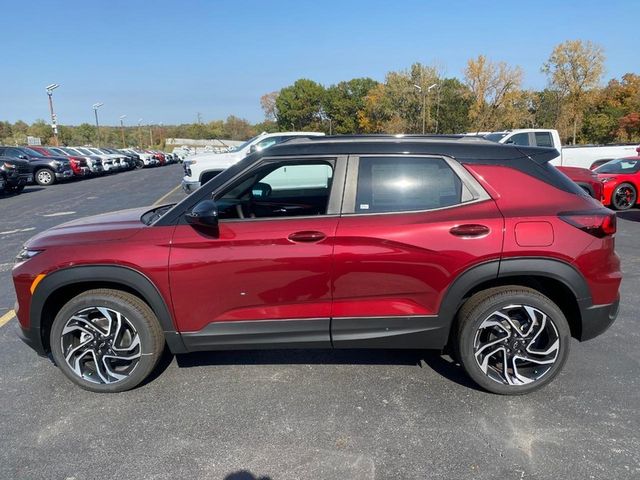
x=100 y=345
x=44 y=177
x=516 y=345
x=624 y=197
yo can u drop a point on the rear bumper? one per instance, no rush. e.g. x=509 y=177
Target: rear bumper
x=596 y=319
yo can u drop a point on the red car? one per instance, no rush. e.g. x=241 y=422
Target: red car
x=621 y=179
x=586 y=179
x=335 y=242
x=78 y=164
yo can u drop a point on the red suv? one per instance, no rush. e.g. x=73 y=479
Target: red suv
x=343 y=242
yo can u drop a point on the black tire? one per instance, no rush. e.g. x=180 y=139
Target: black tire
x=624 y=196
x=139 y=318
x=44 y=177
x=474 y=327
x=17 y=188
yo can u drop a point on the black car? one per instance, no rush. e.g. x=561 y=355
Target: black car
x=14 y=174
x=46 y=170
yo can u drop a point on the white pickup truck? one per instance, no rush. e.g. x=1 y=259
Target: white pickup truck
x=585 y=156
x=199 y=169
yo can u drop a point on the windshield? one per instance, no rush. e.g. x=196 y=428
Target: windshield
x=495 y=137
x=244 y=145
x=31 y=152
x=85 y=151
x=59 y=151
x=620 y=165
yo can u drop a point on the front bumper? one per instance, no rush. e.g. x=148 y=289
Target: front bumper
x=32 y=339
x=64 y=174
x=596 y=319
x=189 y=185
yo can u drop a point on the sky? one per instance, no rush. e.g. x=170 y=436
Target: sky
x=166 y=61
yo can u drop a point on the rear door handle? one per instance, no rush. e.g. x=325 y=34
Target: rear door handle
x=309 y=236
x=470 y=230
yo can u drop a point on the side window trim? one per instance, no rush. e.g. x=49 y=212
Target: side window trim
x=472 y=191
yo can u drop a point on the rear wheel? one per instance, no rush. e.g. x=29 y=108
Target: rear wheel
x=106 y=340
x=44 y=177
x=624 y=196
x=512 y=340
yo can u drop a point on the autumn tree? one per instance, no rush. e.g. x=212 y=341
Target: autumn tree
x=496 y=97
x=268 y=105
x=574 y=68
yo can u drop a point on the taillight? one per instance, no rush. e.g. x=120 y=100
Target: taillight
x=599 y=223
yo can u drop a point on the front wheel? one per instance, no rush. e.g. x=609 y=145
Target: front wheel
x=45 y=177
x=624 y=197
x=106 y=340
x=512 y=340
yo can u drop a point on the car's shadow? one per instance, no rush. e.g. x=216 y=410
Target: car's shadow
x=631 y=215
x=28 y=189
x=439 y=363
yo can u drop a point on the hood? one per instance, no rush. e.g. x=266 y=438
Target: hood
x=99 y=228
x=217 y=158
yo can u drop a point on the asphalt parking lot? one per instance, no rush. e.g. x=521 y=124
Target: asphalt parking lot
x=308 y=414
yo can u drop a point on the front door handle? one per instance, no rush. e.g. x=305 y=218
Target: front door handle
x=309 y=236
x=470 y=230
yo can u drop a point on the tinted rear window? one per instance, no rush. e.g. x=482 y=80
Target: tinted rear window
x=400 y=184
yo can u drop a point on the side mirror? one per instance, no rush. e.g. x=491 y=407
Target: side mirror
x=23 y=157
x=253 y=149
x=261 y=190
x=204 y=214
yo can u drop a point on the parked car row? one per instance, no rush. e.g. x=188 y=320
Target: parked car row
x=48 y=165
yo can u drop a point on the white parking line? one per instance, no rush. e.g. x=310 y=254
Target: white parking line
x=162 y=198
x=58 y=214
x=17 y=230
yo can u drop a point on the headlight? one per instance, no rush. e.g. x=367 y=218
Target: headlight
x=9 y=165
x=26 y=254
x=56 y=163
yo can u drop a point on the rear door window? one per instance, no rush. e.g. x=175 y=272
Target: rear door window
x=399 y=184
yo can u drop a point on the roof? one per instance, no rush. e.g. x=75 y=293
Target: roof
x=461 y=147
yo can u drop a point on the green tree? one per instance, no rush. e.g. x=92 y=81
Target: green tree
x=42 y=130
x=86 y=133
x=299 y=106
x=343 y=101
x=451 y=113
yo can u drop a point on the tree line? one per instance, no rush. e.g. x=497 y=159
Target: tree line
x=489 y=96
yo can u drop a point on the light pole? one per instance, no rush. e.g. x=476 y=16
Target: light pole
x=140 y=134
x=122 y=117
x=96 y=106
x=54 y=126
x=424 y=102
